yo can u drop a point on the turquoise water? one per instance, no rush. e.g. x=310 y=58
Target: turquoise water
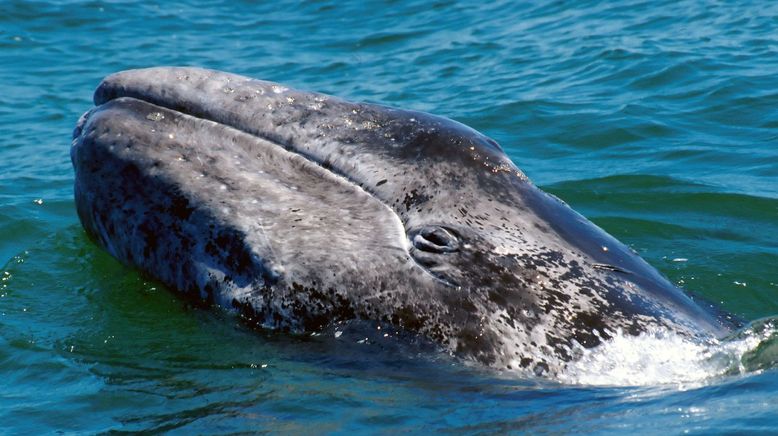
x=657 y=120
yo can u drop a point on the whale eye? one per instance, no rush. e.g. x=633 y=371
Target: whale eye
x=435 y=239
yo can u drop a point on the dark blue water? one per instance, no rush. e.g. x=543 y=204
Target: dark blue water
x=657 y=120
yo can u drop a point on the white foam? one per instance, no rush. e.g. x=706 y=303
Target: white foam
x=660 y=356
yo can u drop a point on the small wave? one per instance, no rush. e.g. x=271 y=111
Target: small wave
x=659 y=356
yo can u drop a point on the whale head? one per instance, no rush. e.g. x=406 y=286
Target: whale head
x=299 y=209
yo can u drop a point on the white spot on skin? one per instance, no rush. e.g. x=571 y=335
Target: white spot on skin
x=155 y=116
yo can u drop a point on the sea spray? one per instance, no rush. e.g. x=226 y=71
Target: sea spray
x=659 y=356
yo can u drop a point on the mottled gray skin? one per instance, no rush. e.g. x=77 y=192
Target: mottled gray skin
x=299 y=209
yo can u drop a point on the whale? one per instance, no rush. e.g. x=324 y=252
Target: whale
x=297 y=210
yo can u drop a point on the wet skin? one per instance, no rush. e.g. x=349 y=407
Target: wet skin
x=300 y=209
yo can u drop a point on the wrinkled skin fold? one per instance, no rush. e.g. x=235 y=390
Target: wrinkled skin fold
x=299 y=209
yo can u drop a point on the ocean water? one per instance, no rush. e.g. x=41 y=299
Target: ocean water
x=656 y=120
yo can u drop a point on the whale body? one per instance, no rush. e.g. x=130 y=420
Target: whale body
x=298 y=209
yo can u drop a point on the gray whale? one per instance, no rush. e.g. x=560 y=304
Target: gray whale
x=299 y=209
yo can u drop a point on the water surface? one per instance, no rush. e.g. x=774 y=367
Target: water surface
x=657 y=120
